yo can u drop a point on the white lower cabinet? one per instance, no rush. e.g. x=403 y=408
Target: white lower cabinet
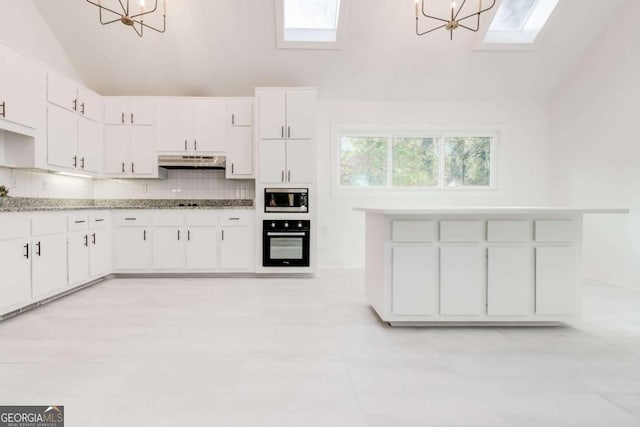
x=99 y=253
x=78 y=257
x=237 y=248
x=556 y=280
x=462 y=280
x=15 y=286
x=132 y=249
x=49 y=265
x=168 y=248
x=202 y=248
x=415 y=280
x=510 y=286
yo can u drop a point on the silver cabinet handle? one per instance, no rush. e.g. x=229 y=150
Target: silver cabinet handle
x=75 y=104
x=222 y=234
x=133 y=167
x=185 y=145
x=122 y=167
x=82 y=108
x=231 y=167
x=75 y=161
x=289 y=176
x=132 y=122
x=195 y=145
x=288 y=131
x=82 y=163
x=4 y=109
x=282 y=176
x=178 y=234
x=282 y=132
x=233 y=119
x=189 y=235
x=122 y=117
x=39 y=248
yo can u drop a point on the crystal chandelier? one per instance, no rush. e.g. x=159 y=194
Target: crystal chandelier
x=453 y=21
x=131 y=18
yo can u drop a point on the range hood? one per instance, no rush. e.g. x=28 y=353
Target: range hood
x=192 y=162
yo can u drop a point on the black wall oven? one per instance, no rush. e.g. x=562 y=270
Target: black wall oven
x=285 y=243
x=288 y=200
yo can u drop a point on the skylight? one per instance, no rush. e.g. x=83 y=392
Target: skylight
x=311 y=20
x=519 y=22
x=311 y=24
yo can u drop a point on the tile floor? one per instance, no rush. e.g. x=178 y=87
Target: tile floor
x=309 y=352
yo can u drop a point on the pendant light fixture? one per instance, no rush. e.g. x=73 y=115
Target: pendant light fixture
x=130 y=17
x=457 y=18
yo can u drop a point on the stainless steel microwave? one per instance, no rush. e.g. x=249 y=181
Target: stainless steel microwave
x=290 y=200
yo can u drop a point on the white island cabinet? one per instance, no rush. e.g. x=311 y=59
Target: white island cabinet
x=475 y=265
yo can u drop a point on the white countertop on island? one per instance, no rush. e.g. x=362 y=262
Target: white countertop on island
x=489 y=210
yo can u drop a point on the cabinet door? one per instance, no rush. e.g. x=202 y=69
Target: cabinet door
x=62 y=91
x=22 y=89
x=99 y=253
x=144 y=161
x=300 y=165
x=140 y=112
x=239 y=151
x=116 y=111
x=117 y=147
x=556 y=281
x=300 y=114
x=175 y=125
x=78 y=257
x=272 y=115
x=237 y=248
x=62 y=137
x=49 y=266
x=15 y=286
x=90 y=104
x=510 y=287
x=168 y=248
x=272 y=161
x=132 y=249
x=461 y=280
x=89 y=145
x=415 y=280
x=202 y=248
x=209 y=126
x=240 y=113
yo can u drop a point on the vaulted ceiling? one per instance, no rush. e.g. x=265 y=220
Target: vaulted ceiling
x=228 y=47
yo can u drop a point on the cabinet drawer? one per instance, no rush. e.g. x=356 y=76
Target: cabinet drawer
x=509 y=231
x=461 y=231
x=131 y=219
x=236 y=218
x=77 y=221
x=168 y=218
x=413 y=231
x=555 y=231
x=203 y=218
x=99 y=220
x=43 y=224
x=14 y=226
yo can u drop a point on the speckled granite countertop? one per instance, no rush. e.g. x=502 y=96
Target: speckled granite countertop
x=20 y=204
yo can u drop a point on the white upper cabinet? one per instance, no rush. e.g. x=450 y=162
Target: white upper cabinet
x=89 y=146
x=239 y=152
x=300 y=162
x=62 y=138
x=71 y=96
x=130 y=151
x=22 y=90
x=191 y=127
x=209 y=129
x=240 y=113
x=286 y=113
x=128 y=111
x=90 y=104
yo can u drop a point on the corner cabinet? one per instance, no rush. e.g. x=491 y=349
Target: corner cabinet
x=286 y=133
x=129 y=139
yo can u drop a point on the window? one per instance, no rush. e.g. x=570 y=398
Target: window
x=518 y=23
x=310 y=24
x=388 y=162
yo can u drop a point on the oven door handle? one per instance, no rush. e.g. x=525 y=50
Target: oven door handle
x=301 y=234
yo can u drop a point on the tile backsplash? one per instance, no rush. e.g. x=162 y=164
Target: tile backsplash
x=181 y=184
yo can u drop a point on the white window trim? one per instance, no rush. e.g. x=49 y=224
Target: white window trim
x=340 y=31
x=480 y=45
x=418 y=131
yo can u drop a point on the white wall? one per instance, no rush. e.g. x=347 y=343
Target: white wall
x=23 y=28
x=522 y=165
x=595 y=149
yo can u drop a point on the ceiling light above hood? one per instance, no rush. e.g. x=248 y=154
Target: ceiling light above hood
x=192 y=162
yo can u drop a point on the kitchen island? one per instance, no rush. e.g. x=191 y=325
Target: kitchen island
x=479 y=265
